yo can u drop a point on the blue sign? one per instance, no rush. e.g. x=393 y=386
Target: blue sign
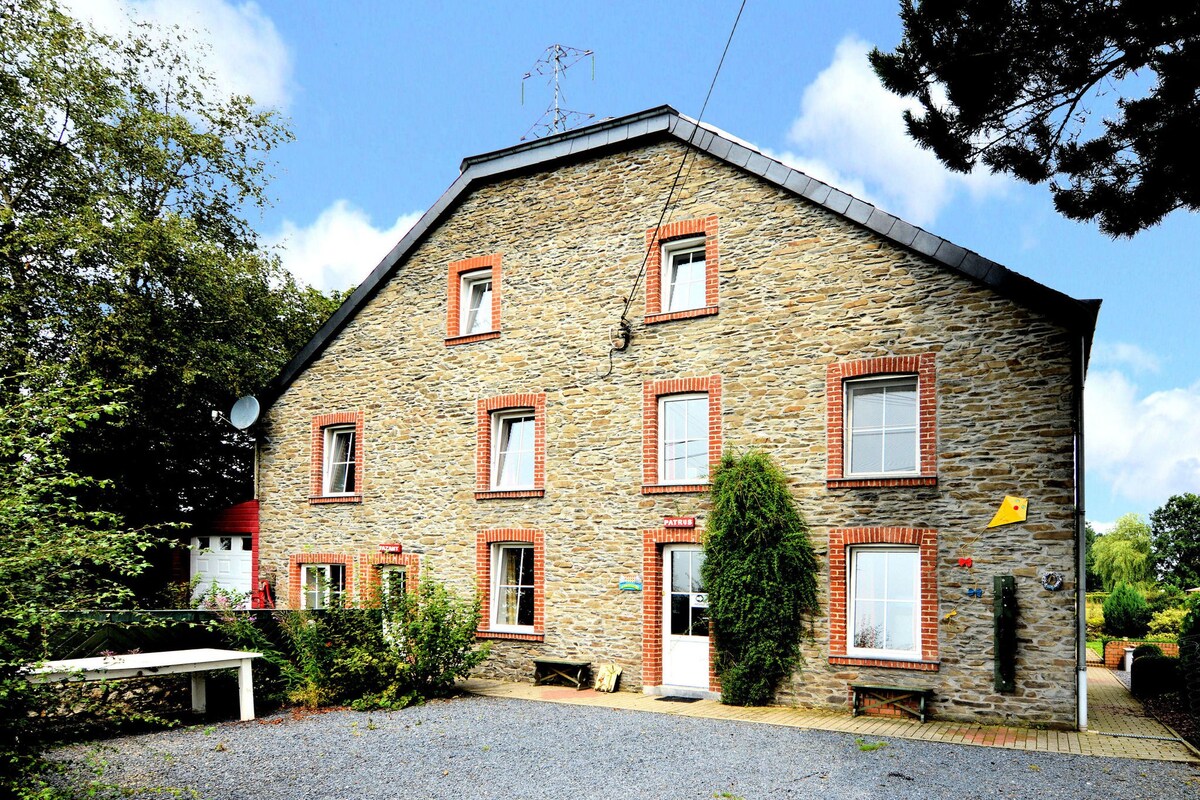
x=630 y=585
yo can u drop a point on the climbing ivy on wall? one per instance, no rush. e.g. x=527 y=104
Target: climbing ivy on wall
x=761 y=575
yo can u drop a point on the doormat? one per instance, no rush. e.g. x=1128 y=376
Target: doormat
x=678 y=699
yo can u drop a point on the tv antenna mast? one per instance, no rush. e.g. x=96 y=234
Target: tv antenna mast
x=554 y=62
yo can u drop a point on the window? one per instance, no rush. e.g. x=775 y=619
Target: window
x=683 y=438
x=883 y=598
x=881 y=426
x=512 y=587
x=339 y=472
x=510 y=458
x=681 y=434
x=322 y=585
x=513 y=450
x=684 y=277
x=337 y=458
x=476 y=303
x=682 y=270
x=473 y=300
x=881 y=422
x=884 y=609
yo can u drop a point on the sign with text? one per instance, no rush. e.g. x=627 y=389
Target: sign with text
x=679 y=522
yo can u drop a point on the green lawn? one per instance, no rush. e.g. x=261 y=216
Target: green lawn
x=1097 y=647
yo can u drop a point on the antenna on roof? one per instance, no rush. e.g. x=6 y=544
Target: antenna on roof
x=556 y=60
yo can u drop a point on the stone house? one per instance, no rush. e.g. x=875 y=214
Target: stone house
x=526 y=397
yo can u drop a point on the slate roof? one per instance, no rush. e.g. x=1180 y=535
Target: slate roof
x=661 y=123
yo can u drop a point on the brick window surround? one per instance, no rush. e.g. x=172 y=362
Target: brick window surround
x=483 y=577
x=371 y=573
x=317 y=465
x=454 y=298
x=836 y=375
x=684 y=229
x=296 y=561
x=840 y=542
x=484 y=411
x=651 y=392
x=652 y=604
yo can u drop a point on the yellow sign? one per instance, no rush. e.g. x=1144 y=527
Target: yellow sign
x=1011 y=510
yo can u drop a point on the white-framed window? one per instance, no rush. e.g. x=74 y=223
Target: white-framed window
x=884 y=613
x=684 y=278
x=393 y=585
x=475 y=303
x=513 y=449
x=882 y=427
x=683 y=438
x=512 y=600
x=339 y=467
x=322 y=585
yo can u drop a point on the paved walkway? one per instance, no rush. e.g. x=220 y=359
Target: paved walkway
x=1118 y=727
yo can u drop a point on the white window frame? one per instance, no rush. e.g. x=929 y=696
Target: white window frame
x=673 y=248
x=330 y=434
x=385 y=594
x=852 y=595
x=497 y=554
x=663 y=400
x=848 y=433
x=499 y=418
x=325 y=584
x=467 y=284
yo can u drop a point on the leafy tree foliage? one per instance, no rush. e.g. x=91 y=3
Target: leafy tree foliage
x=1023 y=86
x=58 y=553
x=761 y=577
x=1175 y=541
x=1126 y=612
x=1094 y=581
x=1123 y=554
x=125 y=255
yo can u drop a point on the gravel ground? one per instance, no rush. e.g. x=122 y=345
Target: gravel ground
x=480 y=747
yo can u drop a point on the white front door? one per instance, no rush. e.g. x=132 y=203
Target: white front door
x=224 y=559
x=685 y=618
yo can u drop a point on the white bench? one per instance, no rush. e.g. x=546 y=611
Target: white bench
x=140 y=665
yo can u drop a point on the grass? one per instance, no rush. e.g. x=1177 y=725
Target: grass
x=1097 y=647
x=867 y=747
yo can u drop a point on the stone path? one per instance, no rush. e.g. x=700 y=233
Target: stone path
x=1118 y=727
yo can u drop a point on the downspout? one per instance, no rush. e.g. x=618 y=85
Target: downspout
x=1080 y=542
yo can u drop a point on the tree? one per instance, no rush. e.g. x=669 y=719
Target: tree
x=1094 y=581
x=1098 y=97
x=761 y=575
x=1175 y=541
x=1126 y=612
x=1123 y=554
x=58 y=553
x=125 y=254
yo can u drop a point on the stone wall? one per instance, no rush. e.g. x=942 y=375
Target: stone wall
x=800 y=289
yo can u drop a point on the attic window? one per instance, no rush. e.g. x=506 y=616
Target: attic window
x=473 y=300
x=682 y=273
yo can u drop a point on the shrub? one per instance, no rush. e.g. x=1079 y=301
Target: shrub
x=1146 y=650
x=760 y=572
x=1152 y=675
x=1126 y=612
x=1167 y=622
x=1095 y=617
x=1189 y=654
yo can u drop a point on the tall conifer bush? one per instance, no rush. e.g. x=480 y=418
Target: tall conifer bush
x=761 y=575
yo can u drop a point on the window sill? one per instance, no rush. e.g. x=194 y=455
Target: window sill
x=516 y=637
x=506 y=494
x=875 y=483
x=324 y=499
x=472 y=337
x=886 y=663
x=675 y=488
x=671 y=316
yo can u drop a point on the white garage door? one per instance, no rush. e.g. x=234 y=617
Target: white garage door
x=224 y=559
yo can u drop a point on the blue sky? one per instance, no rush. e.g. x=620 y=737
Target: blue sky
x=385 y=99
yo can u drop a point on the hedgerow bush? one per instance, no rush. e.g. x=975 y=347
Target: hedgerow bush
x=1167 y=622
x=1146 y=650
x=1152 y=675
x=760 y=573
x=1126 y=612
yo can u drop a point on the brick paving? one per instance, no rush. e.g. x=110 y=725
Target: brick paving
x=1117 y=725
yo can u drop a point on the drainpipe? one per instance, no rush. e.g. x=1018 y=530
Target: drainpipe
x=1080 y=543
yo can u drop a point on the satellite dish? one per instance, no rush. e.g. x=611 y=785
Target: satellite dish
x=244 y=413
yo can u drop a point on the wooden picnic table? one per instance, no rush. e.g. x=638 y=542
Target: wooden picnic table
x=167 y=662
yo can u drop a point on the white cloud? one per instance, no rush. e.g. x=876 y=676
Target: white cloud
x=339 y=248
x=850 y=133
x=1103 y=527
x=236 y=42
x=1123 y=354
x=1145 y=447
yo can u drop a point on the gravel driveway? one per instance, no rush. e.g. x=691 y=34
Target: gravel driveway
x=481 y=747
